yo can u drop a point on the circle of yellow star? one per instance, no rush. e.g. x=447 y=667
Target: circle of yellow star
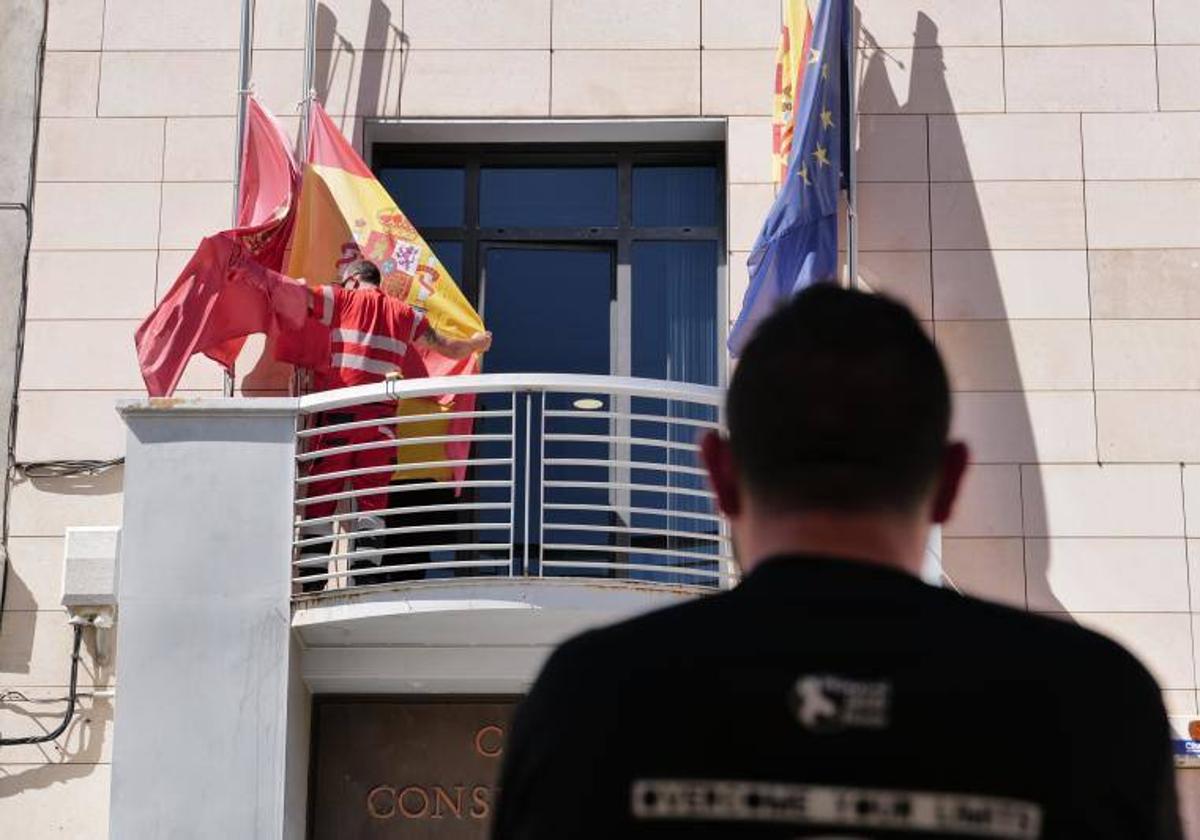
x=826 y=118
x=803 y=173
x=814 y=57
x=822 y=155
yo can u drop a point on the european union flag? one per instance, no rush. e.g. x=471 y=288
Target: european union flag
x=798 y=242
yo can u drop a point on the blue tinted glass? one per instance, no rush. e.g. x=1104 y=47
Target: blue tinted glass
x=674 y=196
x=450 y=254
x=576 y=196
x=675 y=311
x=429 y=197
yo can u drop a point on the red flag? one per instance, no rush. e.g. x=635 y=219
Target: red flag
x=211 y=309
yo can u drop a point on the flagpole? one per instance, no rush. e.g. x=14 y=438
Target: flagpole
x=310 y=71
x=244 y=67
x=852 y=164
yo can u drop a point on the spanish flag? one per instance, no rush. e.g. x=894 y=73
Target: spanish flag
x=795 y=41
x=345 y=214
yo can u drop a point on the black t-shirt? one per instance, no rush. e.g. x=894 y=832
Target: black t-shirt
x=828 y=698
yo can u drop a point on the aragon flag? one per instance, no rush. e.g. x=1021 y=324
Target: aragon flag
x=210 y=309
x=345 y=214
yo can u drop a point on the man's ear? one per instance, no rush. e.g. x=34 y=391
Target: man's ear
x=718 y=460
x=954 y=467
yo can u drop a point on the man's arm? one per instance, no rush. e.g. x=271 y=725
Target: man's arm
x=455 y=348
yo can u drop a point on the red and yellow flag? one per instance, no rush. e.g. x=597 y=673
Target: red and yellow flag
x=795 y=40
x=345 y=214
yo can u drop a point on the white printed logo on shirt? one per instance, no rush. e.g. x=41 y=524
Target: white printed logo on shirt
x=827 y=703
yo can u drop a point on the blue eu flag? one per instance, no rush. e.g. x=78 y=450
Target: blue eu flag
x=798 y=242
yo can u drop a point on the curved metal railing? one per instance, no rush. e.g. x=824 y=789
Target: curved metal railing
x=512 y=475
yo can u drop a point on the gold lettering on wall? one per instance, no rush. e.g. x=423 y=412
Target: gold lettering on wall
x=489 y=741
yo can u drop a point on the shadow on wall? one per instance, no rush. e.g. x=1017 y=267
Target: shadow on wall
x=993 y=558
x=73 y=755
x=352 y=82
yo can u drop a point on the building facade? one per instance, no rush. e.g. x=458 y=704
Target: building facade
x=1029 y=184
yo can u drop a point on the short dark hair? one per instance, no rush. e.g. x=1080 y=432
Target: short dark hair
x=840 y=401
x=364 y=270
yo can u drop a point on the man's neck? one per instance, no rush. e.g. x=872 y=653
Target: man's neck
x=890 y=540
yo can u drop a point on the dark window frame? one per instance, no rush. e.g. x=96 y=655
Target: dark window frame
x=473 y=157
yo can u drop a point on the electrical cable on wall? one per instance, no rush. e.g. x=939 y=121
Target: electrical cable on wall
x=72 y=697
x=65 y=468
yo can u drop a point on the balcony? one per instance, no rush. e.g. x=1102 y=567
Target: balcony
x=539 y=477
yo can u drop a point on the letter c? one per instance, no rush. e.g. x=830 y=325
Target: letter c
x=374 y=810
x=489 y=747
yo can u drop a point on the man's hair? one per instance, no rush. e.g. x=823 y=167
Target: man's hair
x=364 y=270
x=839 y=402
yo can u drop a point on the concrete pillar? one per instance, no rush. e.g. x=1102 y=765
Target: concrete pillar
x=211 y=728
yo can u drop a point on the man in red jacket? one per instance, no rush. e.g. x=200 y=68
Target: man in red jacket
x=370 y=334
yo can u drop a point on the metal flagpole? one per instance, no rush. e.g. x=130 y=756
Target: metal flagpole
x=852 y=163
x=310 y=70
x=244 y=64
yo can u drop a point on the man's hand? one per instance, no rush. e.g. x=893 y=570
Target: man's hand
x=456 y=348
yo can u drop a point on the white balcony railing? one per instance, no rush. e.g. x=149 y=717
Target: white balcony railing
x=546 y=475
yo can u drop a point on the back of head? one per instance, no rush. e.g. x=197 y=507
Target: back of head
x=839 y=402
x=364 y=271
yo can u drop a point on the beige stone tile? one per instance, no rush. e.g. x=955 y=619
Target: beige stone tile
x=664 y=83
x=1010 y=284
x=90 y=284
x=59 y=801
x=1005 y=147
x=89 y=149
x=1193 y=556
x=191 y=211
x=627 y=24
x=70 y=82
x=1147 y=355
x=1080 y=78
x=1180 y=701
x=1167 y=214
x=748 y=207
x=1068 y=22
x=737 y=81
x=494 y=24
x=893 y=217
x=1016 y=355
x=739 y=280
x=1149 y=426
x=94 y=356
x=1008 y=215
x=1114 y=500
x=740 y=24
x=1162 y=641
x=1145 y=284
x=1191 y=497
x=200 y=149
x=892 y=147
x=35 y=650
x=102 y=216
x=278 y=24
x=35 y=574
x=989 y=503
x=74 y=24
x=1178 y=21
x=1179 y=78
x=46 y=507
x=1107 y=575
x=482 y=83
x=87 y=741
x=55 y=425
x=1016 y=427
x=137 y=84
x=993 y=569
x=277 y=80
x=903 y=275
x=898 y=23
x=748 y=150
x=931 y=80
x=170 y=25
x=1128 y=147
